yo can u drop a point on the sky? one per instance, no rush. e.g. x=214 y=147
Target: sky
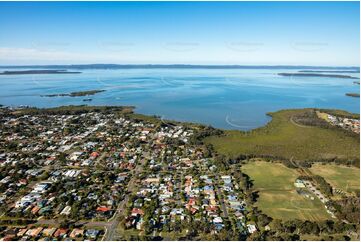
x=243 y=33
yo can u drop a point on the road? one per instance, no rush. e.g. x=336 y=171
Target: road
x=299 y=125
x=223 y=206
x=111 y=228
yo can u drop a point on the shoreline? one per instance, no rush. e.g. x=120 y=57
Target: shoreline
x=159 y=118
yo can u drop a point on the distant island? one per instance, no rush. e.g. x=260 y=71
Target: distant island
x=353 y=94
x=317 y=75
x=327 y=71
x=358 y=83
x=75 y=94
x=28 y=72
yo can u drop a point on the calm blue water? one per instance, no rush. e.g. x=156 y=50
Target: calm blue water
x=223 y=98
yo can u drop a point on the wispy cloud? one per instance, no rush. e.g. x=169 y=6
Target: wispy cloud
x=44 y=55
x=26 y=54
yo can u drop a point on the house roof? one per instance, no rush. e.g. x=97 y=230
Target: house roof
x=137 y=211
x=60 y=232
x=103 y=209
x=211 y=208
x=76 y=232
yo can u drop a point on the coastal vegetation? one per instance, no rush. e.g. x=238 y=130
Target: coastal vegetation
x=283 y=138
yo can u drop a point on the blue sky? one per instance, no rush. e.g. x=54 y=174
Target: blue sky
x=246 y=33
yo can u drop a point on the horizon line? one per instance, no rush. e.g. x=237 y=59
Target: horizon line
x=173 y=65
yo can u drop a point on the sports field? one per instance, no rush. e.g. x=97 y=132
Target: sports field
x=278 y=196
x=339 y=177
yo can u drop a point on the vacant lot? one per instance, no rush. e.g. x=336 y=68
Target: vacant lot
x=282 y=137
x=339 y=177
x=278 y=196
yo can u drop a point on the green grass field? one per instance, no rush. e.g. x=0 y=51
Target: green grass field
x=278 y=196
x=339 y=177
x=284 y=138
